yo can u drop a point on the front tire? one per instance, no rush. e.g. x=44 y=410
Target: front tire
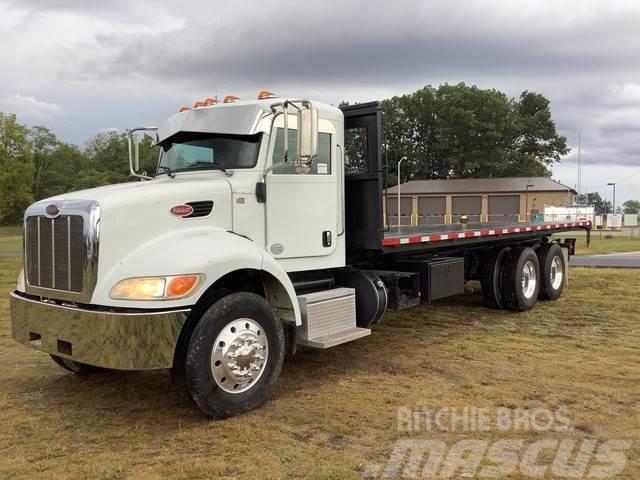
x=553 y=270
x=521 y=279
x=234 y=356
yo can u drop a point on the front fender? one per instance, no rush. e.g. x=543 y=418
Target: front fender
x=271 y=266
x=211 y=251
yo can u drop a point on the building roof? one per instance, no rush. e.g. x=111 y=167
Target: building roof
x=481 y=185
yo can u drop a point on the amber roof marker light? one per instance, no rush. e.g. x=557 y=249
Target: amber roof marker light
x=209 y=101
x=230 y=99
x=265 y=94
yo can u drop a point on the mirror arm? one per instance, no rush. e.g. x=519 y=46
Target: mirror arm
x=286 y=132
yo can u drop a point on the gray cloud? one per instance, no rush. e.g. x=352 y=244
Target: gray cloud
x=375 y=49
x=136 y=61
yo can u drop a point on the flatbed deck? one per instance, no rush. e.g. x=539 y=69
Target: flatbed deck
x=429 y=235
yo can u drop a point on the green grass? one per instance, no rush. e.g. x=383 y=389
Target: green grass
x=10 y=245
x=10 y=230
x=8 y=240
x=335 y=411
x=603 y=245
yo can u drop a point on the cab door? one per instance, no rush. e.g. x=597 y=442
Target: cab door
x=301 y=208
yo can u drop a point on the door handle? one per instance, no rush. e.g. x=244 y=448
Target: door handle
x=326 y=238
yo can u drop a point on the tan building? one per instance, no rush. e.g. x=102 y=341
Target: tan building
x=511 y=199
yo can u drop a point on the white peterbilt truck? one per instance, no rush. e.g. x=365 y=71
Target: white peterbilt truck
x=262 y=229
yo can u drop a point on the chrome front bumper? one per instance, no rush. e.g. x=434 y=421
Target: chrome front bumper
x=125 y=341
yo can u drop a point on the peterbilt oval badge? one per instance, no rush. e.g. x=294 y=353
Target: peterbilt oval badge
x=52 y=211
x=181 y=210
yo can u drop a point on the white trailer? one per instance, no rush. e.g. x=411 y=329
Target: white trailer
x=261 y=230
x=571 y=213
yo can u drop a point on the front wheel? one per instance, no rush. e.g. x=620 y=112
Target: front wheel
x=234 y=356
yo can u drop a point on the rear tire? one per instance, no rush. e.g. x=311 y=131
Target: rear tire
x=76 y=367
x=521 y=279
x=553 y=270
x=234 y=356
x=490 y=277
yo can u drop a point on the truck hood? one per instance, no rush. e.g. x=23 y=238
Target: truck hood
x=162 y=192
x=134 y=216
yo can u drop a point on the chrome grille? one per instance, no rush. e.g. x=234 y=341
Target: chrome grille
x=55 y=252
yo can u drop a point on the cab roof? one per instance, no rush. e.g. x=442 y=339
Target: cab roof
x=236 y=118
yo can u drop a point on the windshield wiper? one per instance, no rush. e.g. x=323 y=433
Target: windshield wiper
x=169 y=172
x=210 y=165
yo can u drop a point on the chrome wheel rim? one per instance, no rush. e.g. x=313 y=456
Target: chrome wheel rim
x=239 y=355
x=556 y=273
x=529 y=279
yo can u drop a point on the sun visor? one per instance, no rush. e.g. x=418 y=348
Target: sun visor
x=226 y=119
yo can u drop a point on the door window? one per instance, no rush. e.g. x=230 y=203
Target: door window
x=321 y=164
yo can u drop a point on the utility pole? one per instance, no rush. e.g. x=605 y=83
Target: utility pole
x=579 y=164
x=399 y=163
x=213 y=59
x=613 y=207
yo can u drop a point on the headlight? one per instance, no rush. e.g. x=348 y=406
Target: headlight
x=155 y=288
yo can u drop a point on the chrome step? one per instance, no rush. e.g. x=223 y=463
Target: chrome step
x=336 y=339
x=329 y=318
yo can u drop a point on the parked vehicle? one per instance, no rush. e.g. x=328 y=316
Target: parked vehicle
x=262 y=230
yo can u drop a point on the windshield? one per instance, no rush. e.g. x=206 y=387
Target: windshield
x=202 y=151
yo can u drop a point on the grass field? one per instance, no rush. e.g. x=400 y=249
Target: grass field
x=334 y=412
x=10 y=245
x=603 y=245
x=10 y=240
x=10 y=230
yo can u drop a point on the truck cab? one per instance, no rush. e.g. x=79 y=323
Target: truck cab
x=246 y=194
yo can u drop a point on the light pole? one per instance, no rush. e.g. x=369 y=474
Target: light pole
x=613 y=207
x=526 y=201
x=399 y=163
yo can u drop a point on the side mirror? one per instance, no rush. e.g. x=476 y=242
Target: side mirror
x=134 y=150
x=307 y=138
x=136 y=153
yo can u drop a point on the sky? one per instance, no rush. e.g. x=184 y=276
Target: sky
x=82 y=67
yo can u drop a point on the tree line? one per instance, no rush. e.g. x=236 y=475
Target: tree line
x=603 y=207
x=35 y=164
x=452 y=131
